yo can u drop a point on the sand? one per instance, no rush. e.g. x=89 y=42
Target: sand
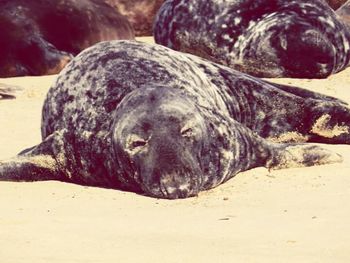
x=291 y=215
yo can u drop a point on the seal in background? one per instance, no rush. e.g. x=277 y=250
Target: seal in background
x=299 y=39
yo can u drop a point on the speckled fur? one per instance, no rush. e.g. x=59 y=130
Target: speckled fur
x=263 y=38
x=92 y=94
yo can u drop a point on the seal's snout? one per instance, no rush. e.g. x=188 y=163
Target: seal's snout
x=177 y=185
x=309 y=54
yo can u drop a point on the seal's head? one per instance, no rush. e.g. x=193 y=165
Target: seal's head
x=307 y=53
x=296 y=48
x=158 y=138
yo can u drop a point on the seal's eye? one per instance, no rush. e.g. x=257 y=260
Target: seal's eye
x=187 y=132
x=138 y=143
x=135 y=143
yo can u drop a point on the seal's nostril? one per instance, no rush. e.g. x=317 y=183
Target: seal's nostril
x=176 y=193
x=177 y=185
x=181 y=192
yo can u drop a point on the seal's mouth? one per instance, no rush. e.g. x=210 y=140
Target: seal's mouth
x=173 y=185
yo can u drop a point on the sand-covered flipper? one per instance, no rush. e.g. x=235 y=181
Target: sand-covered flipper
x=255 y=151
x=34 y=164
x=301 y=155
x=29 y=168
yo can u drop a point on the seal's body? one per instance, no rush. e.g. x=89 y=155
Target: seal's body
x=302 y=39
x=39 y=37
x=149 y=119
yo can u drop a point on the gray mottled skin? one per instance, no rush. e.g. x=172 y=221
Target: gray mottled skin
x=145 y=118
x=265 y=38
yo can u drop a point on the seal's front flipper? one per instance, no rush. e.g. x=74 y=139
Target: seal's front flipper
x=301 y=155
x=250 y=151
x=29 y=168
x=254 y=151
x=9 y=91
x=37 y=163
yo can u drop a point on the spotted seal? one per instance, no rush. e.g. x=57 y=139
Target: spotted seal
x=145 y=118
x=39 y=37
x=140 y=13
x=301 y=39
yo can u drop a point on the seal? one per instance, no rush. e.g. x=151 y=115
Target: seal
x=179 y=126
x=298 y=39
x=140 y=13
x=41 y=37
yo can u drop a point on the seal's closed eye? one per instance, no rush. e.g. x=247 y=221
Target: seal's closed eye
x=138 y=143
x=187 y=132
x=135 y=143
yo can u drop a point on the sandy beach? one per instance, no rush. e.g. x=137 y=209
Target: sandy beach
x=291 y=215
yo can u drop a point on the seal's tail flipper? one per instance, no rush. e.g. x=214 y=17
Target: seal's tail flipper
x=301 y=155
x=9 y=91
